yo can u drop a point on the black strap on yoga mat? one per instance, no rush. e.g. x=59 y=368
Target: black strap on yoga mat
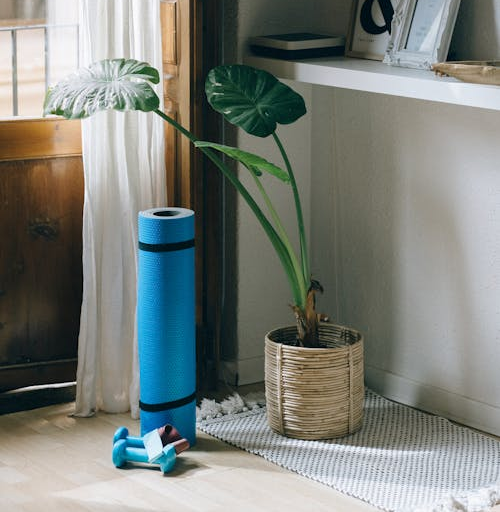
x=165 y=406
x=175 y=246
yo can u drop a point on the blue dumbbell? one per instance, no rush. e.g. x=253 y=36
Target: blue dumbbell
x=168 y=435
x=132 y=441
x=123 y=453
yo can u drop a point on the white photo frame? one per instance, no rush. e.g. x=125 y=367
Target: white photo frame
x=363 y=43
x=421 y=33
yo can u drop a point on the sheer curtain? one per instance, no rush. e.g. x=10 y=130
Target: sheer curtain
x=123 y=157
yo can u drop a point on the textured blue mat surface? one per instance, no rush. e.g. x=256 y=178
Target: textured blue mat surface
x=166 y=320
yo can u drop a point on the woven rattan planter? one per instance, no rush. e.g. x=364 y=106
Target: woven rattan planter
x=315 y=393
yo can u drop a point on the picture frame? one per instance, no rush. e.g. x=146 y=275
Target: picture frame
x=421 y=33
x=369 y=29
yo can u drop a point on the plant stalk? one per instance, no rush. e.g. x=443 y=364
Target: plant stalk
x=304 y=253
x=286 y=241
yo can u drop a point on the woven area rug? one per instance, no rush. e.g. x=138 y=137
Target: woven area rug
x=402 y=459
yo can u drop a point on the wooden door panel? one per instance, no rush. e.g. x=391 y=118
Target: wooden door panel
x=39 y=138
x=40 y=269
x=41 y=198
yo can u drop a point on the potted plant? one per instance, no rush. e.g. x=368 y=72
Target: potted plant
x=314 y=370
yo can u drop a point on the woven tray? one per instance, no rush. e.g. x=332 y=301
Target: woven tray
x=473 y=71
x=315 y=393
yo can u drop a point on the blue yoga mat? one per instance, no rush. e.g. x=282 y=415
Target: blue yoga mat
x=166 y=320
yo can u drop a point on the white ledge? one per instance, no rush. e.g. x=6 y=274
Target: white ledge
x=377 y=77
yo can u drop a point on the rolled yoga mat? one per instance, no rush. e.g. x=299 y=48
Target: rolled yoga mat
x=166 y=320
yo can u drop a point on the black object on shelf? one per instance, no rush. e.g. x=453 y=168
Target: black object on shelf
x=300 y=45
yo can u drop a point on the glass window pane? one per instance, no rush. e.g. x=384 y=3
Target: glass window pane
x=5 y=74
x=38 y=47
x=30 y=71
x=63 y=49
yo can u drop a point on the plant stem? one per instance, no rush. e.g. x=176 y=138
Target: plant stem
x=284 y=237
x=276 y=240
x=304 y=254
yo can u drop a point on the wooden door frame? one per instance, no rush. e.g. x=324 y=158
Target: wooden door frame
x=208 y=192
x=194 y=182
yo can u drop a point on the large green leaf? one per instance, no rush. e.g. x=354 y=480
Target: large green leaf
x=252 y=99
x=255 y=163
x=119 y=84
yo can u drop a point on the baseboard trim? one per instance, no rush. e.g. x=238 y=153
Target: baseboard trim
x=33 y=397
x=479 y=415
x=458 y=408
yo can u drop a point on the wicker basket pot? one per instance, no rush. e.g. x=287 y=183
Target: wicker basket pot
x=315 y=393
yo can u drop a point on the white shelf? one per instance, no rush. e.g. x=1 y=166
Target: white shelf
x=377 y=77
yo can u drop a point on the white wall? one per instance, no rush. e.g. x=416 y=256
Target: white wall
x=405 y=216
x=405 y=233
x=257 y=295
x=405 y=223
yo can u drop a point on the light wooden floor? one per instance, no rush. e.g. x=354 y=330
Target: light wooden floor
x=50 y=461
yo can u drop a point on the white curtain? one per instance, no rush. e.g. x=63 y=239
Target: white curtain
x=123 y=157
